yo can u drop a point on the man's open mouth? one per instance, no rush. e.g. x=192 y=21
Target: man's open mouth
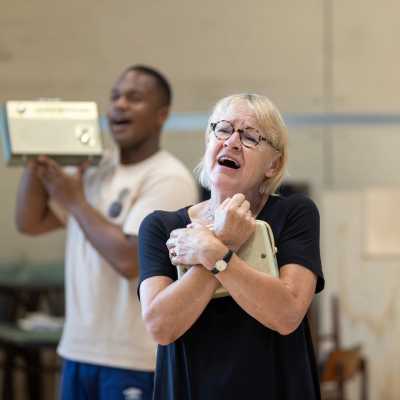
x=121 y=121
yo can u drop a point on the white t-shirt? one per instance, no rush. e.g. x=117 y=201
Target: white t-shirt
x=103 y=318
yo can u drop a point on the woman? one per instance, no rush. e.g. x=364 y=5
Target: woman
x=255 y=343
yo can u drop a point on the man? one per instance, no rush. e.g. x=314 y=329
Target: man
x=106 y=350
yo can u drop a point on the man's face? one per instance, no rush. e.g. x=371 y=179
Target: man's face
x=136 y=112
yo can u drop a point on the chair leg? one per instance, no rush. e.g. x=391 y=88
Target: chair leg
x=8 y=375
x=33 y=373
x=340 y=381
x=364 y=380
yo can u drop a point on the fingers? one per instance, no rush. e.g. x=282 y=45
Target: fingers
x=40 y=172
x=83 y=167
x=210 y=227
x=175 y=255
x=47 y=173
x=48 y=168
x=46 y=161
x=174 y=238
x=237 y=199
x=170 y=243
x=172 y=251
x=32 y=164
x=233 y=202
x=250 y=219
x=176 y=233
x=43 y=170
x=193 y=225
x=237 y=203
x=225 y=203
x=244 y=208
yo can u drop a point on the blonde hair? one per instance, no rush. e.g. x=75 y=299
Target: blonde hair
x=272 y=126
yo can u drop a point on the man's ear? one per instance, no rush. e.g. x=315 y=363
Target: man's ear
x=274 y=166
x=163 y=113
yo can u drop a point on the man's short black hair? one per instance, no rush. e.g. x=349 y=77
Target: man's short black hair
x=161 y=81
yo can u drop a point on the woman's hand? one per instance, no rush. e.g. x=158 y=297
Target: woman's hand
x=195 y=245
x=233 y=221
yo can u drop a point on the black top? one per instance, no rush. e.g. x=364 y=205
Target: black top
x=227 y=354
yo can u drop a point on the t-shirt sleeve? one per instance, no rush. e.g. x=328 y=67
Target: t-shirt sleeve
x=153 y=252
x=167 y=193
x=299 y=240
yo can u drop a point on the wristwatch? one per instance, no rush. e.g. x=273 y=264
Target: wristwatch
x=222 y=264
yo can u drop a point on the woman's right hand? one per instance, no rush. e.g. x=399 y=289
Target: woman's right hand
x=195 y=245
x=233 y=221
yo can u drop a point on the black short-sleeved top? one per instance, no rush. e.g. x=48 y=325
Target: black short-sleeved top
x=227 y=354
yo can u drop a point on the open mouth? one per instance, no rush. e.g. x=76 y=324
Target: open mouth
x=120 y=121
x=228 y=162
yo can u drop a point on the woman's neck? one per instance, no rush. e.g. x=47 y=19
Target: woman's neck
x=256 y=200
x=204 y=212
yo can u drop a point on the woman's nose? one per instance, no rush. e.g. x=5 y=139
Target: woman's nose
x=234 y=141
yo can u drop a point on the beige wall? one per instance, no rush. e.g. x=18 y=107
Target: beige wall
x=368 y=289
x=208 y=49
x=308 y=56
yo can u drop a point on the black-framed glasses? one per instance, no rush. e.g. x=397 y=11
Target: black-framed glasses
x=249 y=137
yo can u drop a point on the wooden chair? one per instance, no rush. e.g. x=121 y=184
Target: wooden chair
x=22 y=350
x=21 y=290
x=341 y=364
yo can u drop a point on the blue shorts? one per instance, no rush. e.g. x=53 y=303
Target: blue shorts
x=81 y=381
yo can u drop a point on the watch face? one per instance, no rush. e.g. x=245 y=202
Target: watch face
x=220 y=265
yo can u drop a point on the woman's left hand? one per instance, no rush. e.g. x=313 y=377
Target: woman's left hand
x=194 y=245
x=233 y=221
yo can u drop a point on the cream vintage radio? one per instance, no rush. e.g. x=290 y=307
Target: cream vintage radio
x=67 y=131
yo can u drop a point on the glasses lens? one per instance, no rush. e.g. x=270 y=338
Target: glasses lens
x=250 y=137
x=223 y=130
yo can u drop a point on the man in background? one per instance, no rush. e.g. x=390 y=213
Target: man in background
x=107 y=353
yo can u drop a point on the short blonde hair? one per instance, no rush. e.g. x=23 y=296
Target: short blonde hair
x=272 y=126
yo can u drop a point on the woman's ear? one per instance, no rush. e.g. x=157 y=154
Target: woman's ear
x=274 y=166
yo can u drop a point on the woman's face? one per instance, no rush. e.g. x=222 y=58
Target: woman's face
x=232 y=167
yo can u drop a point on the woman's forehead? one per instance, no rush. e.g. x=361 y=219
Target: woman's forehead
x=237 y=112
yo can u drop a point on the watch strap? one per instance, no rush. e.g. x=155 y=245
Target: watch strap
x=227 y=257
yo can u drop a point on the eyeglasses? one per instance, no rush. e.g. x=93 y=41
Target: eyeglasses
x=249 y=137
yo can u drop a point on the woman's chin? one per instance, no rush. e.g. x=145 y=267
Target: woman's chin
x=226 y=184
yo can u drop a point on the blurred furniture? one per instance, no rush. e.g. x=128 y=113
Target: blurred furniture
x=287 y=188
x=340 y=364
x=25 y=288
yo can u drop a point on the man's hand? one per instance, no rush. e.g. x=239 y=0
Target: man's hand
x=65 y=189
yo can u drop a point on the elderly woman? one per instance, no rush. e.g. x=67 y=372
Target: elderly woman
x=254 y=343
